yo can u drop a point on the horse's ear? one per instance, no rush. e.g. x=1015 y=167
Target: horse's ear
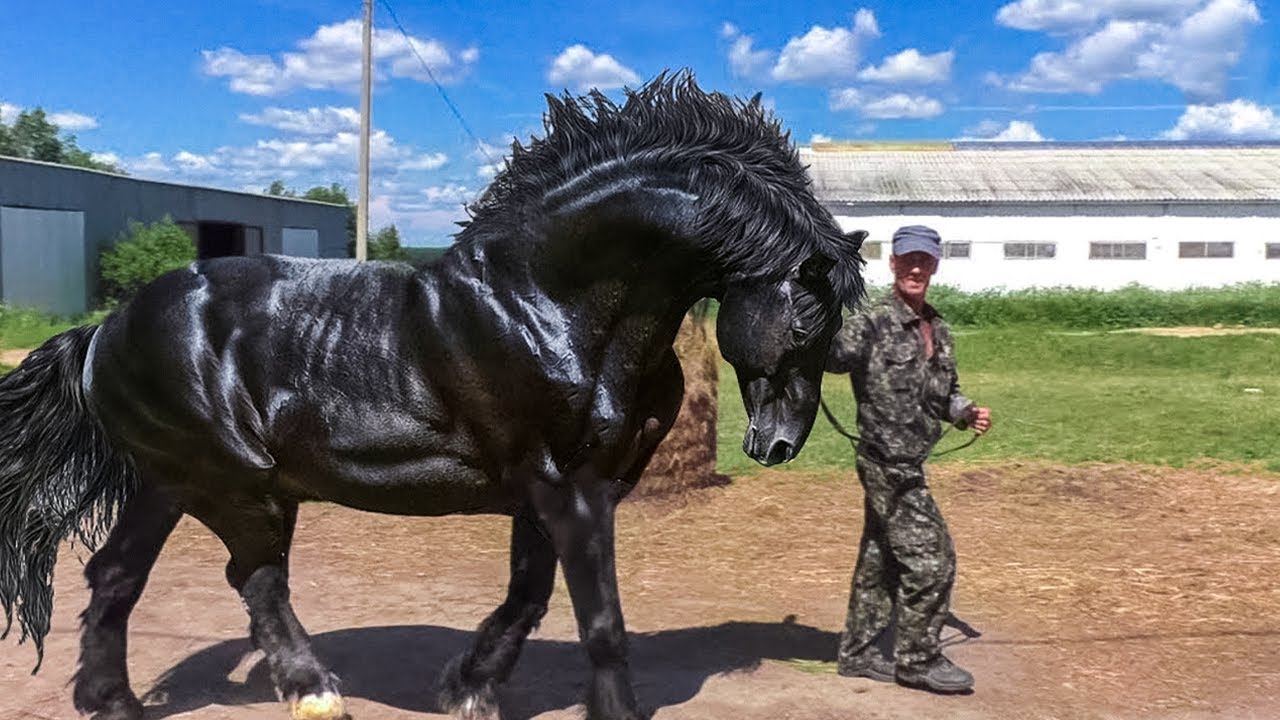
x=856 y=237
x=818 y=265
x=755 y=99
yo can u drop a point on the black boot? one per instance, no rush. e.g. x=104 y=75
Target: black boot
x=938 y=675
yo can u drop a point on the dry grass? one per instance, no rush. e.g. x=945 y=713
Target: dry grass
x=686 y=459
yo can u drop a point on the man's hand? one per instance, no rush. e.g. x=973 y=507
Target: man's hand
x=981 y=420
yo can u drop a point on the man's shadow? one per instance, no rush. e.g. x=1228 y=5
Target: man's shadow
x=399 y=666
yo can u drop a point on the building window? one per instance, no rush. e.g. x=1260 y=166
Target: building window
x=1117 y=251
x=872 y=250
x=1273 y=251
x=955 y=250
x=1030 y=250
x=1206 y=249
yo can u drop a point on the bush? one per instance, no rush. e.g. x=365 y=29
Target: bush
x=1251 y=304
x=143 y=253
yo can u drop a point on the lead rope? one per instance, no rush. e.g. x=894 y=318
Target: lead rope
x=854 y=439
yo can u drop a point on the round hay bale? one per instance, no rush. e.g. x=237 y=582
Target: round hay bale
x=686 y=459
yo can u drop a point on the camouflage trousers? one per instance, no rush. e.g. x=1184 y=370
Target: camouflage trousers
x=906 y=563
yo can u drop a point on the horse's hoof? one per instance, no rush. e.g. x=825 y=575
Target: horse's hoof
x=325 y=706
x=464 y=701
x=121 y=708
x=477 y=707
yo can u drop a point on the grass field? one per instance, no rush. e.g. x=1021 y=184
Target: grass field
x=27 y=328
x=1079 y=397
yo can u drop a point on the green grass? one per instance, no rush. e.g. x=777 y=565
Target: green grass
x=1073 y=397
x=20 y=328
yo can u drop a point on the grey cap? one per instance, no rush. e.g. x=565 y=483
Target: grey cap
x=917 y=238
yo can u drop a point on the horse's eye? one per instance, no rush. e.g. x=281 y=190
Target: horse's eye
x=800 y=334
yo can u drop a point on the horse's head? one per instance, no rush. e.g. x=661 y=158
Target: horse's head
x=776 y=334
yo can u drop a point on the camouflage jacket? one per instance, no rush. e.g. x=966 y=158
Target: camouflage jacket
x=903 y=398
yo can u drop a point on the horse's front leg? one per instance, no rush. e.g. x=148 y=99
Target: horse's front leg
x=469 y=683
x=579 y=514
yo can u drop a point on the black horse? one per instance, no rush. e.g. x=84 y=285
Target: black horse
x=529 y=373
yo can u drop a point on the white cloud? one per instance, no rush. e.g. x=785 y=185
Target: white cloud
x=886 y=107
x=819 y=138
x=909 y=66
x=490 y=159
x=451 y=193
x=901 y=105
x=65 y=120
x=150 y=164
x=427 y=161
x=331 y=58
x=72 y=121
x=1238 y=119
x=1190 y=44
x=581 y=68
x=744 y=60
x=312 y=121
x=193 y=163
x=994 y=131
x=320 y=159
x=106 y=158
x=823 y=55
x=1064 y=15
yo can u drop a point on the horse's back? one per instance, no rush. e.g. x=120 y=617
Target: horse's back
x=221 y=346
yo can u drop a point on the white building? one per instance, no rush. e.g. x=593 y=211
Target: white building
x=1101 y=215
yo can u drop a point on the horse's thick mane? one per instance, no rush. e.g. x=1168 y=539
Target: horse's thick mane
x=760 y=216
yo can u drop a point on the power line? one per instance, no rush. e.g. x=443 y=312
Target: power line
x=456 y=113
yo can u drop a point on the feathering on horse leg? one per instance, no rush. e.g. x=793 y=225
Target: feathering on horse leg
x=258 y=532
x=469 y=682
x=117 y=574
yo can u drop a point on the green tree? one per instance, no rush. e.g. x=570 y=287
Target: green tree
x=7 y=144
x=143 y=253
x=385 y=245
x=33 y=137
x=278 y=189
x=335 y=194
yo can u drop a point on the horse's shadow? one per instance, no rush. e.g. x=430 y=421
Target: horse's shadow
x=400 y=665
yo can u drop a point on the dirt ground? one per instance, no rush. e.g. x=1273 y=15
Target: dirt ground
x=1101 y=592
x=13 y=357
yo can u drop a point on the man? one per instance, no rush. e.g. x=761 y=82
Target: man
x=899 y=356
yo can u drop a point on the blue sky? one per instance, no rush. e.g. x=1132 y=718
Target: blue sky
x=236 y=94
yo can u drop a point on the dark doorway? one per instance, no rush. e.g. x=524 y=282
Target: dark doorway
x=215 y=239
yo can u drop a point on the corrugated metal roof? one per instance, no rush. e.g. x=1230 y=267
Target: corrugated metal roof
x=1043 y=173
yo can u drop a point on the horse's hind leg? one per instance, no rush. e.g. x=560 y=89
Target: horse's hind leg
x=258 y=532
x=117 y=573
x=469 y=682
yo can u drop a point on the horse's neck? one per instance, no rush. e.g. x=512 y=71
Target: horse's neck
x=608 y=272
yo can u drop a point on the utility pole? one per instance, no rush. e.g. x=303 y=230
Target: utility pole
x=366 y=92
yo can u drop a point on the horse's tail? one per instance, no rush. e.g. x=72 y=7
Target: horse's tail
x=59 y=476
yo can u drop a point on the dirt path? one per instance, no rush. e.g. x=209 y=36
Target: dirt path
x=1102 y=592
x=1193 y=331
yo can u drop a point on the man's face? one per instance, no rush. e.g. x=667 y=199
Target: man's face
x=912 y=272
